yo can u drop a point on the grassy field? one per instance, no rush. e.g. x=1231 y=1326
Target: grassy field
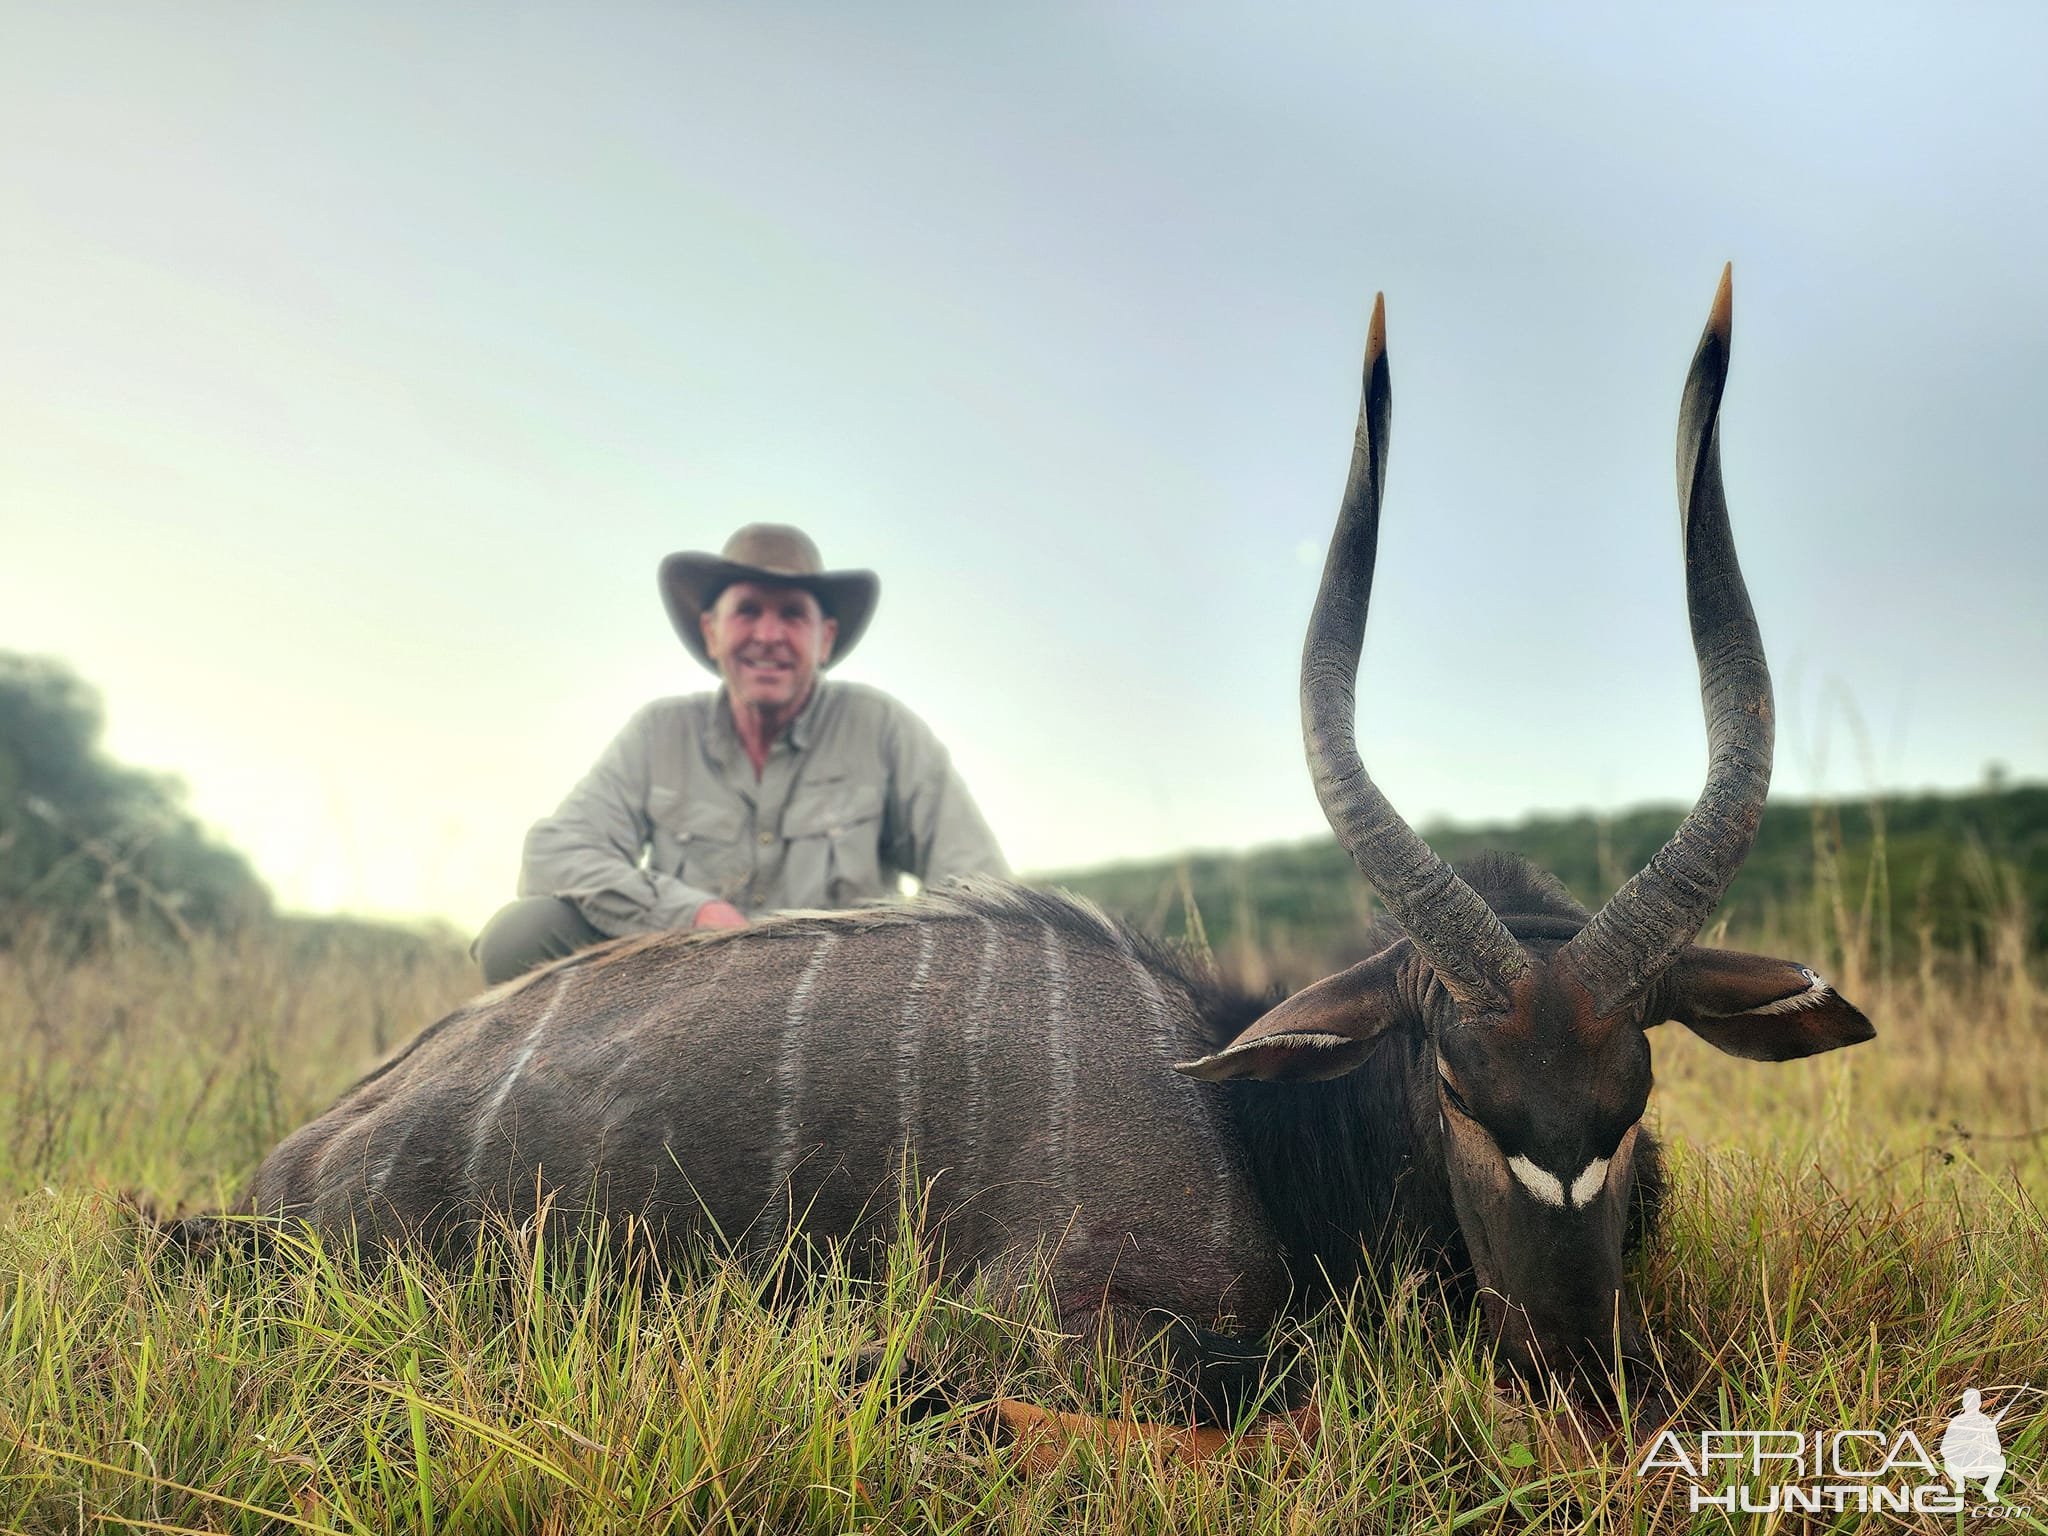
x=1852 y=1242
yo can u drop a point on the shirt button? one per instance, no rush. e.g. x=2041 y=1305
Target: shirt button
x=767 y=838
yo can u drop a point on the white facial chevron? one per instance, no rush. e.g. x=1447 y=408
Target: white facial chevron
x=1551 y=1190
x=1540 y=1182
x=1547 y=1186
x=1588 y=1184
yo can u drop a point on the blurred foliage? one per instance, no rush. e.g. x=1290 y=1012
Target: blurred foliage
x=90 y=847
x=1916 y=873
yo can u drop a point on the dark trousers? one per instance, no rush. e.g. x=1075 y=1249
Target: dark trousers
x=530 y=932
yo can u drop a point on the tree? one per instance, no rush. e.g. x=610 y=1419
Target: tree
x=90 y=847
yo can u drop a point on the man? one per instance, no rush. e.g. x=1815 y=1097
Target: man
x=779 y=790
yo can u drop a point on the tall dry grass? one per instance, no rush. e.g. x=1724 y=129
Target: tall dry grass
x=1852 y=1240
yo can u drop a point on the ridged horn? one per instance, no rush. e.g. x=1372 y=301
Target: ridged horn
x=1658 y=912
x=1472 y=953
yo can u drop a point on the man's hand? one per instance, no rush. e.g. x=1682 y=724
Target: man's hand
x=718 y=914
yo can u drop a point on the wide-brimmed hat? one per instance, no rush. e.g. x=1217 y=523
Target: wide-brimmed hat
x=770 y=552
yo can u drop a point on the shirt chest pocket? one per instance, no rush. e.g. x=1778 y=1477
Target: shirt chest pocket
x=834 y=836
x=701 y=842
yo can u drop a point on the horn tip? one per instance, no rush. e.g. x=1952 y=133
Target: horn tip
x=1721 y=321
x=1376 y=332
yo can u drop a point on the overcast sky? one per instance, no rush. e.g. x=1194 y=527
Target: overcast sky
x=359 y=363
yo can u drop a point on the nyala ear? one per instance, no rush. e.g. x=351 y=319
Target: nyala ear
x=1322 y=1031
x=1763 y=1009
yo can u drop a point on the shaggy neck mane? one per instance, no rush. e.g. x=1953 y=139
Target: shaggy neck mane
x=1355 y=1166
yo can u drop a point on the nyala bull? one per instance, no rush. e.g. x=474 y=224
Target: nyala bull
x=1168 y=1147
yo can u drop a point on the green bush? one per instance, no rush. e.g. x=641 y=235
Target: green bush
x=89 y=846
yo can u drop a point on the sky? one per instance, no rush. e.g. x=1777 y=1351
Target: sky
x=359 y=363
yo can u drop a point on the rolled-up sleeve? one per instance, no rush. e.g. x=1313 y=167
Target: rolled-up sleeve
x=934 y=830
x=590 y=851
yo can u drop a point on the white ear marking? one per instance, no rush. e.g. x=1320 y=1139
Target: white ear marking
x=1817 y=992
x=1539 y=1182
x=1589 y=1183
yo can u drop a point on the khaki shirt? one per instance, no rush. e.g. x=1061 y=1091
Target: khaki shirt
x=856 y=792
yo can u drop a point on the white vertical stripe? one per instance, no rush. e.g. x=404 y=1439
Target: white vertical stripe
x=910 y=1044
x=702 y=988
x=1163 y=1041
x=1064 y=1069
x=976 y=1042
x=388 y=1164
x=1195 y=1099
x=977 y=1026
x=789 y=1072
x=487 y=1122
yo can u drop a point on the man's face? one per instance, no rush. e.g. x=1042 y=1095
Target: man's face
x=768 y=642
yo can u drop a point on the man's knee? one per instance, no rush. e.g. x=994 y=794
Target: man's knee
x=530 y=932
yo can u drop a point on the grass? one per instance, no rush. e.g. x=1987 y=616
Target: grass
x=1852 y=1241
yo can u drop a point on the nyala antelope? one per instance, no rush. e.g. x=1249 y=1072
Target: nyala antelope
x=1182 y=1159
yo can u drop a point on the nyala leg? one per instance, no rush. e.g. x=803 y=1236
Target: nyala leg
x=1214 y=1378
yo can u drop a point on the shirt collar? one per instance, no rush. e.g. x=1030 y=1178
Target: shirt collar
x=799 y=733
x=805 y=725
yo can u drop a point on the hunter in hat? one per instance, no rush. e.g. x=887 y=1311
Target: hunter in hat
x=781 y=789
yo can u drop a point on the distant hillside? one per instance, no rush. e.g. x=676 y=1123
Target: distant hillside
x=1951 y=867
